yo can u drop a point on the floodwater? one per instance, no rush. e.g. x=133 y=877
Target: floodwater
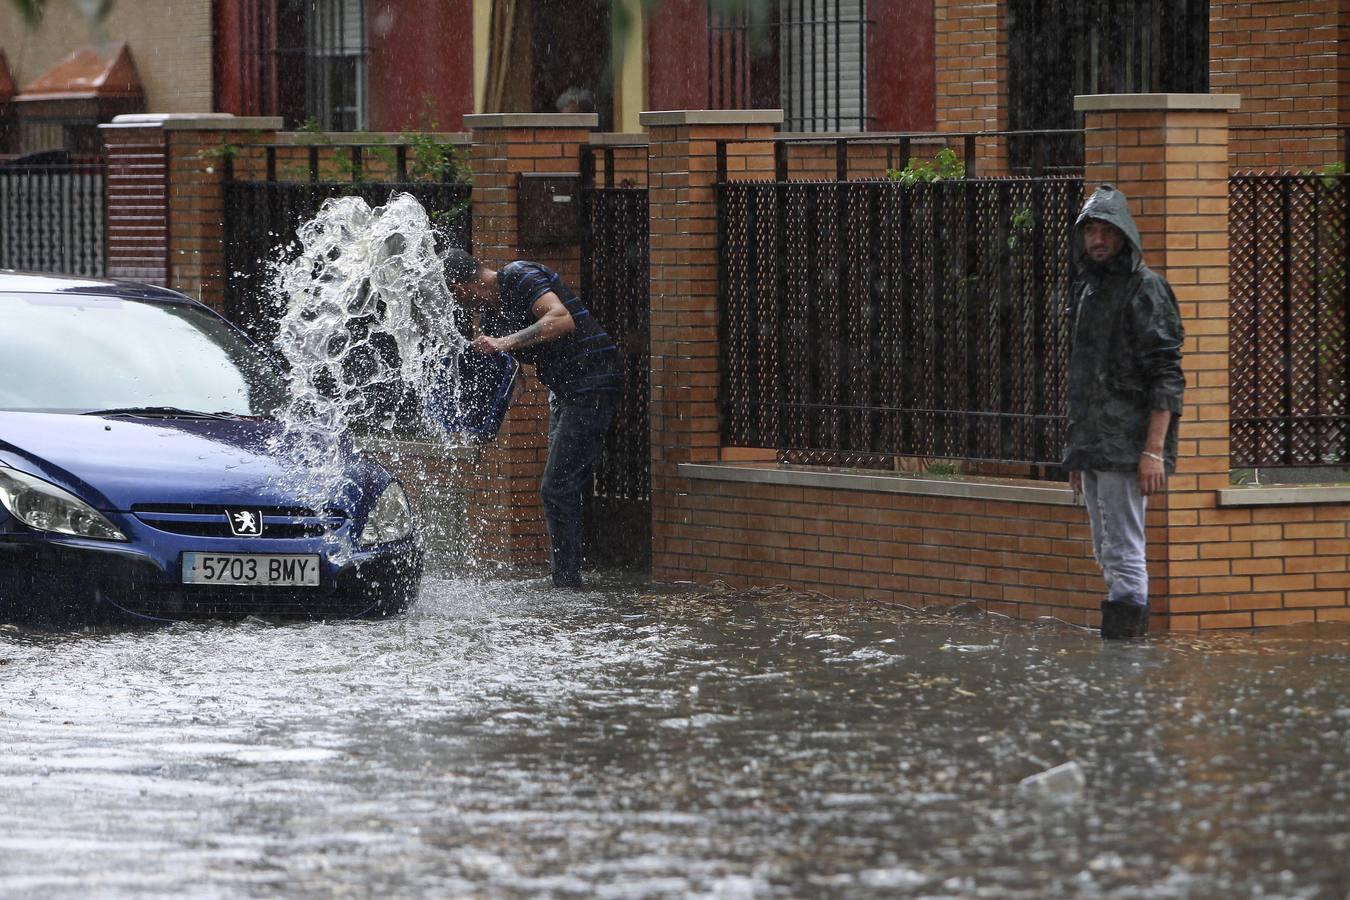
x=508 y=740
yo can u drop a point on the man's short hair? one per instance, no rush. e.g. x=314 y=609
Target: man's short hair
x=460 y=267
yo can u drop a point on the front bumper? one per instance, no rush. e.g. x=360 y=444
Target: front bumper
x=45 y=580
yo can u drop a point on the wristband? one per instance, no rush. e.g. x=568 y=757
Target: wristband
x=1153 y=456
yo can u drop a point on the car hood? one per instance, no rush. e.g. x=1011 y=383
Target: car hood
x=115 y=462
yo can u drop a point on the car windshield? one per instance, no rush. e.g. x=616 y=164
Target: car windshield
x=74 y=353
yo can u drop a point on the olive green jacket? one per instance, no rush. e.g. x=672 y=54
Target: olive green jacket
x=1126 y=357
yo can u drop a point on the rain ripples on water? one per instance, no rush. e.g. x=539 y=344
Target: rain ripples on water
x=508 y=740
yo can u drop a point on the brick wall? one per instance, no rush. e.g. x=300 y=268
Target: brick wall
x=137 y=203
x=1287 y=62
x=1019 y=559
x=196 y=149
x=504 y=485
x=972 y=73
x=684 y=290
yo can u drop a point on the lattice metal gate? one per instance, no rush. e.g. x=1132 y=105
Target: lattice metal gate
x=53 y=218
x=866 y=320
x=615 y=287
x=1288 y=324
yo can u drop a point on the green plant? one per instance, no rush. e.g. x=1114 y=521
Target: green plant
x=428 y=158
x=1023 y=221
x=220 y=151
x=946 y=167
x=942 y=468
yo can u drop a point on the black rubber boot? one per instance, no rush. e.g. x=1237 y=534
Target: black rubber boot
x=1122 y=620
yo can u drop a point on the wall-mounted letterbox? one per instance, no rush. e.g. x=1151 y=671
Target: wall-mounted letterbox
x=549 y=208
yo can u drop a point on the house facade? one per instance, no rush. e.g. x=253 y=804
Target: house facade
x=838 y=66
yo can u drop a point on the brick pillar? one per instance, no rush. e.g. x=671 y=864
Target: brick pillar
x=1169 y=154
x=684 y=294
x=137 y=198
x=195 y=147
x=504 y=508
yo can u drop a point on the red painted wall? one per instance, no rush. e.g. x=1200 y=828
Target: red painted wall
x=677 y=55
x=901 y=67
x=228 y=61
x=421 y=62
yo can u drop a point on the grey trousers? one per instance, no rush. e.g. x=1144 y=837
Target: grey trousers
x=1116 y=512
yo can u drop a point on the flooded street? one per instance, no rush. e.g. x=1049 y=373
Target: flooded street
x=508 y=740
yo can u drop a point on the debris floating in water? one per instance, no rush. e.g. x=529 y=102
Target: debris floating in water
x=1062 y=784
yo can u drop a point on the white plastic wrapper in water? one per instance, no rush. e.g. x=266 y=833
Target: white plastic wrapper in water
x=1062 y=784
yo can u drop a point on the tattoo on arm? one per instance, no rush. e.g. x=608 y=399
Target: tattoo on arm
x=528 y=335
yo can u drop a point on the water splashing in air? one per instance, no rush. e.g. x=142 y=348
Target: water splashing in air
x=368 y=331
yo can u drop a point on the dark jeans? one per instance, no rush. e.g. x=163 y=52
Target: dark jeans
x=576 y=434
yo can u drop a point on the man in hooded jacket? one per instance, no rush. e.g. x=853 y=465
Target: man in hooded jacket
x=1125 y=392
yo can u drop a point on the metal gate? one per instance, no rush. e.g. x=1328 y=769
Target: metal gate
x=52 y=215
x=615 y=287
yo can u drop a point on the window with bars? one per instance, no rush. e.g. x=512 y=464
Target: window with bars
x=306 y=62
x=807 y=57
x=1060 y=48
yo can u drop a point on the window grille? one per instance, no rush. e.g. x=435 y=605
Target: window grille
x=1059 y=48
x=807 y=57
x=305 y=60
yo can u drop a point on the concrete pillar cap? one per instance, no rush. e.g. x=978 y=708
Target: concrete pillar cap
x=712 y=117
x=1135 y=102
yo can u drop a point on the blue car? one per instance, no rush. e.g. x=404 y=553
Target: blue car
x=144 y=473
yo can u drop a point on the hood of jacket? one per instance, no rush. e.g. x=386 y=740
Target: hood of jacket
x=1108 y=205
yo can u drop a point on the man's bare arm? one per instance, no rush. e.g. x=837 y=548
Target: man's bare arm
x=552 y=321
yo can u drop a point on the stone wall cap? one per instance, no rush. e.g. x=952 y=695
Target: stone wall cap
x=1284 y=495
x=532 y=120
x=1129 y=102
x=959 y=487
x=712 y=117
x=619 y=139
x=195 y=121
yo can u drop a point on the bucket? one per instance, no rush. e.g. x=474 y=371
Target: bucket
x=488 y=384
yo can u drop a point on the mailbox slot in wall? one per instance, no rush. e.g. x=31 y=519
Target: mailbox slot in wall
x=549 y=208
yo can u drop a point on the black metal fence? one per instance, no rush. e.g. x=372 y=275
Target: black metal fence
x=1290 y=345
x=615 y=286
x=53 y=218
x=872 y=318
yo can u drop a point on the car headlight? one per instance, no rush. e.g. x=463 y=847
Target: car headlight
x=46 y=507
x=390 y=520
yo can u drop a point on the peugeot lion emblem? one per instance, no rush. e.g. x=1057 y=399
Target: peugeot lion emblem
x=245 y=522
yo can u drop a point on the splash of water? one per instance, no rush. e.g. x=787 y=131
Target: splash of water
x=369 y=317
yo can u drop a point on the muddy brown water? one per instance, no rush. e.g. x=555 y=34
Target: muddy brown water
x=508 y=740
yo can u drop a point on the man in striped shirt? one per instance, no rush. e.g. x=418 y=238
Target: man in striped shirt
x=540 y=321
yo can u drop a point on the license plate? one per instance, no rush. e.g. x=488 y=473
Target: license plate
x=251 y=568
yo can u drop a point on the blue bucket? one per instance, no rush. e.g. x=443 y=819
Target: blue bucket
x=487 y=387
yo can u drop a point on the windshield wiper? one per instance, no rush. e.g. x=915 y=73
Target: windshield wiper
x=163 y=412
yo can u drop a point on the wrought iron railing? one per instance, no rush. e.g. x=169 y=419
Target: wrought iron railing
x=1288 y=335
x=52 y=218
x=878 y=318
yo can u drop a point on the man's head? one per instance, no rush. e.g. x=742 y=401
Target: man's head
x=576 y=100
x=464 y=277
x=1102 y=240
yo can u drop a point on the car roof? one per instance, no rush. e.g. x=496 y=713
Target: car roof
x=12 y=282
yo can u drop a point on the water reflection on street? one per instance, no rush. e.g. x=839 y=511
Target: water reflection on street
x=508 y=740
